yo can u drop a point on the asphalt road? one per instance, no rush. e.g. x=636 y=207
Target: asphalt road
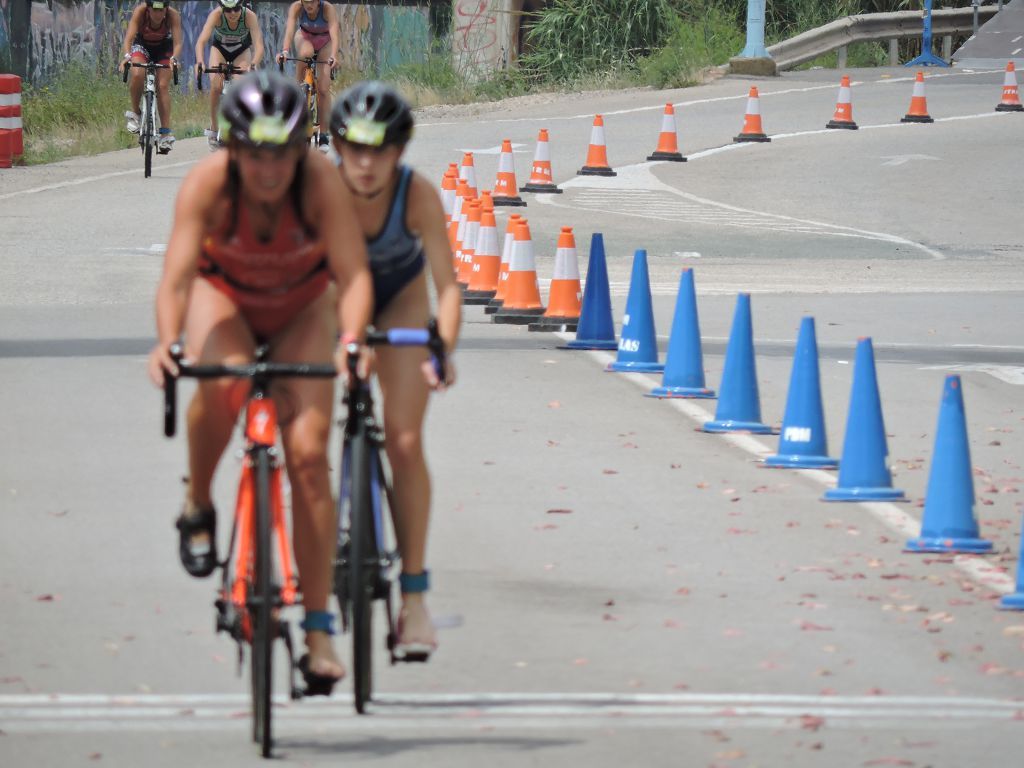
x=613 y=587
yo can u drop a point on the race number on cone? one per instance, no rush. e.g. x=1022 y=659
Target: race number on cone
x=843 y=118
x=540 y=173
x=1011 y=97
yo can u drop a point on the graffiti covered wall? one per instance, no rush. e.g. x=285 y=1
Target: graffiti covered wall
x=482 y=35
x=373 y=37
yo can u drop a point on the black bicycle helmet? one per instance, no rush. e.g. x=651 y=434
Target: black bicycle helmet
x=372 y=113
x=264 y=109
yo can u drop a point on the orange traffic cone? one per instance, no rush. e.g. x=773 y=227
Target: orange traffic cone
x=597 y=156
x=467 y=171
x=505 y=188
x=448 y=184
x=752 y=130
x=506 y=252
x=918 y=104
x=469 y=237
x=1011 y=98
x=668 y=149
x=461 y=194
x=540 y=174
x=522 y=296
x=483 y=282
x=563 y=313
x=843 y=118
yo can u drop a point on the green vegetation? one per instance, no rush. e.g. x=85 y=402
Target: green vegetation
x=81 y=113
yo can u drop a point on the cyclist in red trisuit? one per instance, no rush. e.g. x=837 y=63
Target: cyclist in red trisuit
x=265 y=247
x=402 y=217
x=153 y=34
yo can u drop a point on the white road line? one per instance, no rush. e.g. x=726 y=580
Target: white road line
x=88 y=179
x=70 y=713
x=976 y=568
x=1017 y=51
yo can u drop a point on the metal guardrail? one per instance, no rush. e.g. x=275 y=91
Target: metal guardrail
x=873 y=26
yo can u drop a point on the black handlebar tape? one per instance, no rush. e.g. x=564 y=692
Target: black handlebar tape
x=170 y=404
x=124 y=76
x=174 y=74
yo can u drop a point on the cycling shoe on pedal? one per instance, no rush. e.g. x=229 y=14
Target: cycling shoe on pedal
x=413 y=650
x=131 y=122
x=212 y=140
x=324 y=143
x=199 y=557
x=165 y=143
x=316 y=684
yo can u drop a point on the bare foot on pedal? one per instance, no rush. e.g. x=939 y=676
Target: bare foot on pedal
x=417 y=638
x=320 y=668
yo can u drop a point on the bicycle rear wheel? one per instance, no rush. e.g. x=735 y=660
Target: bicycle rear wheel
x=148 y=134
x=261 y=611
x=362 y=569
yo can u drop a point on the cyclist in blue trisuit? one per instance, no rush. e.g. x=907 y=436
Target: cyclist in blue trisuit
x=403 y=220
x=233 y=33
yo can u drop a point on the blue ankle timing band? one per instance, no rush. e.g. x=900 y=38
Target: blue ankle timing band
x=411 y=583
x=318 y=621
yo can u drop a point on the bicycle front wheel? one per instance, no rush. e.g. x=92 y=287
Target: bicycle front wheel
x=148 y=132
x=261 y=611
x=362 y=568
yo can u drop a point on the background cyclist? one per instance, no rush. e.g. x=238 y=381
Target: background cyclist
x=232 y=32
x=402 y=217
x=153 y=34
x=262 y=233
x=317 y=35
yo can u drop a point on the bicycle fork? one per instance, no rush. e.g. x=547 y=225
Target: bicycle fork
x=233 y=600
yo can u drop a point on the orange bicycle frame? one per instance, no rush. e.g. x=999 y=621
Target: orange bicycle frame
x=260 y=432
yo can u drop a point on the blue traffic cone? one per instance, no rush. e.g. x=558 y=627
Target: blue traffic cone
x=863 y=473
x=684 y=363
x=596 y=328
x=638 y=343
x=739 y=405
x=803 y=443
x=948 y=523
x=1015 y=602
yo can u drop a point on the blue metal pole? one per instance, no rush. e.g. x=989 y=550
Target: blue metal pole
x=755 y=31
x=927 y=58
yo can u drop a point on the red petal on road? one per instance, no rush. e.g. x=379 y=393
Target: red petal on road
x=47 y=598
x=811 y=722
x=810 y=626
x=554 y=404
x=559 y=512
x=609 y=471
x=683 y=591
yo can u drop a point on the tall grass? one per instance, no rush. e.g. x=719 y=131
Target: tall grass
x=81 y=112
x=571 y=40
x=706 y=36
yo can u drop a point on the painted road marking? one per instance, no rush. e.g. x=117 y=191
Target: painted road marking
x=651 y=198
x=496 y=150
x=88 y=179
x=1007 y=373
x=977 y=568
x=66 y=713
x=904 y=159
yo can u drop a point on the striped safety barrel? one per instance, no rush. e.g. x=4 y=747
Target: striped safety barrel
x=11 y=141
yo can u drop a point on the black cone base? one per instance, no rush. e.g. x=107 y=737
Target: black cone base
x=517 y=201
x=477 y=298
x=548 y=189
x=593 y=170
x=516 y=316
x=752 y=137
x=917 y=119
x=848 y=125
x=1010 y=108
x=675 y=157
x=551 y=324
